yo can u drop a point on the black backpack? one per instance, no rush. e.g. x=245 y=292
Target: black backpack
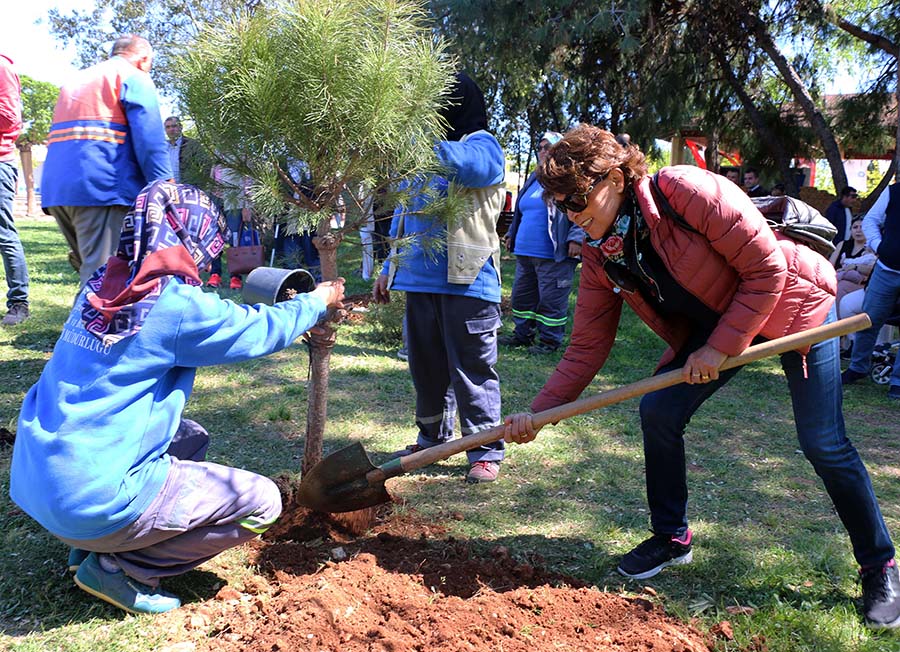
x=794 y=218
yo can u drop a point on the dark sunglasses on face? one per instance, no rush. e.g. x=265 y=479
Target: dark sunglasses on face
x=577 y=201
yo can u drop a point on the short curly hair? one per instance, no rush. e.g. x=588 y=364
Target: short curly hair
x=584 y=154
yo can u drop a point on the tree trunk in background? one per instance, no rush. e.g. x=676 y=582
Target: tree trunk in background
x=320 y=347
x=28 y=173
x=870 y=199
x=711 y=155
x=772 y=143
x=804 y=99
x=887 y=45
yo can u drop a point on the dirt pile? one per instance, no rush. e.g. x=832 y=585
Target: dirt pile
x=406 y=586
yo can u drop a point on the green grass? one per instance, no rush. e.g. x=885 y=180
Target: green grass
x=767 y=536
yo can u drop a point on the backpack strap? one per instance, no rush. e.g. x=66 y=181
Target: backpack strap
x=663 y=204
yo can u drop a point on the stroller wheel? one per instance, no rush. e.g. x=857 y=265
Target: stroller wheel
x=881 y=373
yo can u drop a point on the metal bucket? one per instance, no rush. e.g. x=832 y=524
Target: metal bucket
x=270 y=285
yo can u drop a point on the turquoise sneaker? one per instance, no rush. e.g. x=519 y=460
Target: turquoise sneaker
x=76 y=556
x=120 y=590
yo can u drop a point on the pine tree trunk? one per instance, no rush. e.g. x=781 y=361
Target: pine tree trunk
x=28 y=173
x=804 y=99
x=320 y=348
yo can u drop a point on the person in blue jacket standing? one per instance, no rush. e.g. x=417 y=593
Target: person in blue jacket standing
x=548 y=248
x=103 y=458
x=453 y=291
x=105 y=144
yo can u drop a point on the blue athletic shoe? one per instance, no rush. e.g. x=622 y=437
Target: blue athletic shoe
x=120 y=590
x=76 y=556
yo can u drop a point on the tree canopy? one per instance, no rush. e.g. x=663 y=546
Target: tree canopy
x=38 y=100
x=747 y=73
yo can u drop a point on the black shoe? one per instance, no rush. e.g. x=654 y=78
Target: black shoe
x=511 y=340
x=18 y=312
x=849 y=376
x=542 y=348
x=894 y=392
x=847 y=354
x=881 y=595
x=656 y=553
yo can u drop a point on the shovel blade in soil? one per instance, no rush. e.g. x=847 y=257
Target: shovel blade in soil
x=339 y=483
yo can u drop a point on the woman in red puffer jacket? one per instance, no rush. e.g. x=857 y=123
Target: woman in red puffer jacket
x=709 y=288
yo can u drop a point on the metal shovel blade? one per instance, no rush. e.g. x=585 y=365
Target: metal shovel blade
x=340 y=483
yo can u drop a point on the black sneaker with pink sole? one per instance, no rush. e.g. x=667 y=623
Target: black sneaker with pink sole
x=657 y=553
x=881 y=595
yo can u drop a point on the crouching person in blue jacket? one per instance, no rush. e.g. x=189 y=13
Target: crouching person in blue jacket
x=103 y=458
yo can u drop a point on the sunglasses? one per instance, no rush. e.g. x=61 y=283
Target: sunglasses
x=577 y=201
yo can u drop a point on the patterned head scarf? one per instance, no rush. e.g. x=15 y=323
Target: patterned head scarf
x=171 y=230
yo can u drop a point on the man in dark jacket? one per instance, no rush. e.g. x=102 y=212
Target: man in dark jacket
x=751 y=182
x=188 y=163
x=838 y=213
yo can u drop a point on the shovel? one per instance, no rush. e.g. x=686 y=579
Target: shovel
x=347 y=480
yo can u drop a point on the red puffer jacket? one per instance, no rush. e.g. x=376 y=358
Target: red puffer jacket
x=761 y=283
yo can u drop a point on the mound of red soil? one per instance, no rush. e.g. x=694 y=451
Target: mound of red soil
x=405 y=586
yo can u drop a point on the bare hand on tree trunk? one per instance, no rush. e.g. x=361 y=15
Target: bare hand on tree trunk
x=380 y=292
x=331 y=292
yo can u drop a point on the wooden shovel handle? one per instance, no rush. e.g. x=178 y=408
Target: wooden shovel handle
x=553 y=415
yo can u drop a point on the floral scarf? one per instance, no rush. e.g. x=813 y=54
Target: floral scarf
x=170 y=231
x=621 y=246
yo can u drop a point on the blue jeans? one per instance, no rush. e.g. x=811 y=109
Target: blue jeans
x=881 y=299
x=540 y=298
x=819 y=418
x=10 y=244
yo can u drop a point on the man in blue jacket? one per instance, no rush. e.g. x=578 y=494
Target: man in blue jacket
x=105 y=144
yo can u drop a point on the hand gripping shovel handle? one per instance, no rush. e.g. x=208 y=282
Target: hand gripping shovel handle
x=553 y=415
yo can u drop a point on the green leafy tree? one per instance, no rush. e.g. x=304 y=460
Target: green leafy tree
x=876 y=25
x=350 y=88
x=38 y=100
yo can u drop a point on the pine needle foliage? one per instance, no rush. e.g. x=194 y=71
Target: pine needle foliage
x=352 y=88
